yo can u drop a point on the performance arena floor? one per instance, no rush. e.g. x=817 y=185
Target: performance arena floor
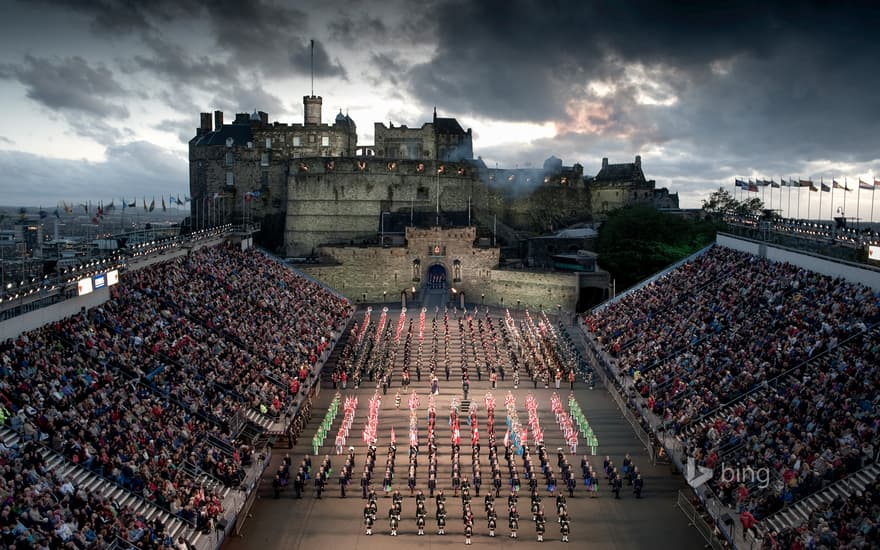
x=333 y=522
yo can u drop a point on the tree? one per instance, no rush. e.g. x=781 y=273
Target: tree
x=723 y=202
x=636 y=242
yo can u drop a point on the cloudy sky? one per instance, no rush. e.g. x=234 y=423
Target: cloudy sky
x=99 y=97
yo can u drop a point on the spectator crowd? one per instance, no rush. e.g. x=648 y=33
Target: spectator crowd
x=762 y=365
x=149 y=391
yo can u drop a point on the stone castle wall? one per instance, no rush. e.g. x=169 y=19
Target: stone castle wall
x=340 y=201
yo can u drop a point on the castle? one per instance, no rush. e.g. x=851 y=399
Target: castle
x=313 y=184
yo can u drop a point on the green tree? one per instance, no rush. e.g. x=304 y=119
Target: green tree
x=722 y=202
x=636 y=242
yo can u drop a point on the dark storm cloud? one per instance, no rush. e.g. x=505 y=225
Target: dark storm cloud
x=301 y=59
x=69 y=85
x=260 y=36
x=529 y=60
x=385 y=68
x=171 y=63
x=246 y=99
x=132 y=170
x=126 y=16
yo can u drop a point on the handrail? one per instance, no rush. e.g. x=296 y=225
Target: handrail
x=696 y=519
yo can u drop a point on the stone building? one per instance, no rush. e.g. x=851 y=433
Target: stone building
x=315 y=191
x=619 y=185
x=241 y=169
x=440 y=139
x=397 y=274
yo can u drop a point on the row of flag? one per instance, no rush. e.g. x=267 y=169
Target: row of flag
x=754 y=186
x=99 y=210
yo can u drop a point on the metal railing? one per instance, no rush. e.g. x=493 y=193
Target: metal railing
x=696 y=520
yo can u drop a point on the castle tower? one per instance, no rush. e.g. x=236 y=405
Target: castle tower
x=312 y=109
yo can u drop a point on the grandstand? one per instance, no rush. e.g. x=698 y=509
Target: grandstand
x=766 y=374
x=159 y=414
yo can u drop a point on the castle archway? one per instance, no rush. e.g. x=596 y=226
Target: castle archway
x=436 y=277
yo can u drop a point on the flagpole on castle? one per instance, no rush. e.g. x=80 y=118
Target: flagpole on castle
x=821 y=190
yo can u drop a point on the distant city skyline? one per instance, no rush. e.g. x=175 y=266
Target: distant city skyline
x=99 y=98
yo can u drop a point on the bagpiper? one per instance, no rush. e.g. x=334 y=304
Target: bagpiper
x=513 y=521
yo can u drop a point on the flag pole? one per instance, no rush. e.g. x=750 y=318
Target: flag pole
x=799 y=199
x=821 y=190
x=831 y=217
x=859 y=205
x=872 y=203
x=788 y=211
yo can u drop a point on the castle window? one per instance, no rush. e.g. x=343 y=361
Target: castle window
x=264 y=159
x=230 y=159
x=268 y=143
x=325 y=141
x=230 y=178
x=296 y=141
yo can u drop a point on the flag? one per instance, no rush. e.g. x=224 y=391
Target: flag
x=67 y=208
x=740 y=183
x=85 y=207
x=110 y=206
x=784 y=183
x=836 y=185
x=124 y=204
x=774 y=185
x=753 y=188
x=876 y=182
x=132 y=204
x=762 y=183
x=152 y=205
x=145 y=204
x=186 y=199
x=43 y=214
x=813 y=187
x=865 y=185
x=805 y=183
x=57 y=214
x=163 y=203
x=825 y=187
